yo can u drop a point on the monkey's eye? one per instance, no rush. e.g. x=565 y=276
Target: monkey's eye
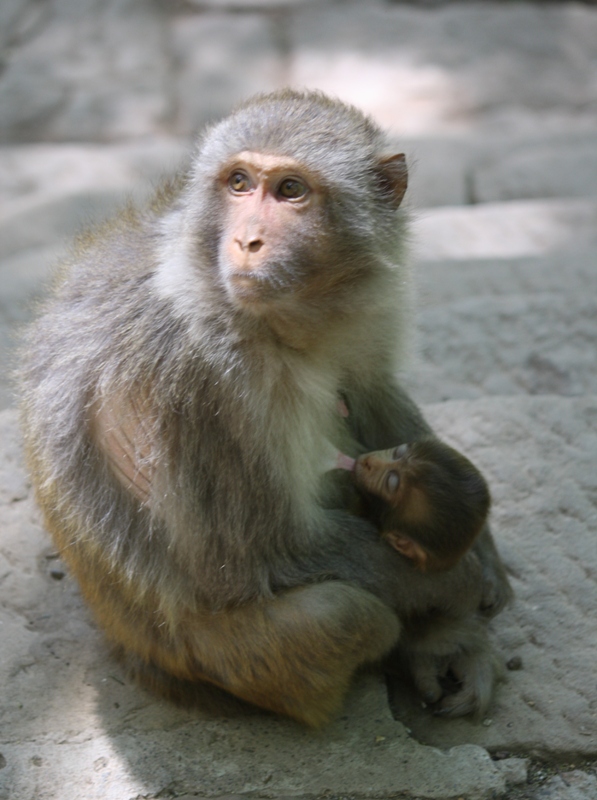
x=392 y=481
x=400 y=452
x=239 y=182
x=292 y=189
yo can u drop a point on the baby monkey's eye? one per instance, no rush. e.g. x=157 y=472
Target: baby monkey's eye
x=292 y=189
x=239 y=182
x=392 y=481
x=400 y=452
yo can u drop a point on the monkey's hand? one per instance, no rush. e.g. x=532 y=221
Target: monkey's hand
x=496 y=591
x=475 y=675
x=460 y=682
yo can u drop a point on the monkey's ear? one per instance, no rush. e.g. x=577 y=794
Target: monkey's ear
x=408 y=547
x=393 y=177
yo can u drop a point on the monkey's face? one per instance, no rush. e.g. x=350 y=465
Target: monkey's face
x=384 y=473
x=396 y=477
x=272 y=243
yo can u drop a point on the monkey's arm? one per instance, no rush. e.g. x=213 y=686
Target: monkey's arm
x=382 y=415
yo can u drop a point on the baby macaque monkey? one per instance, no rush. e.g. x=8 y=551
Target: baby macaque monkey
x=429 y=501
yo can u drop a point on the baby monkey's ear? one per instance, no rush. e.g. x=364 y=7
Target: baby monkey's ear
x=407 y=547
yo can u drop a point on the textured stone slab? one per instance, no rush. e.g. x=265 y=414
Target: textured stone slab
x=23 y=278
x=73 y=726
x=518 y=344
x=571 y=272
x=540 y=458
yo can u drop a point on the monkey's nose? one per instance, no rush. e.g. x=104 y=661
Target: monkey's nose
x=254 y=245
x=248 y=244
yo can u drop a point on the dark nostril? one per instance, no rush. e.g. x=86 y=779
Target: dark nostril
x=255 y=245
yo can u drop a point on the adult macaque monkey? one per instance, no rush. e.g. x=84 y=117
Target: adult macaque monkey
x=429 y=501
x=180 y=393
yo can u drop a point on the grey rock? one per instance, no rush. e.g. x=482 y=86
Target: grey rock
x=250 y=5
x=220 y=60
x=574 y=785
x=518 y=344
x=23 y=278
x=50 y=192
x=465 y=67
x=88 y=71
x=38 y=169
x=505 y=230
x=123 y=68
x=55 y=219
x=565 y=167
x=515 y=770
x=19 y=20
x=437 y=169
x=571 y=271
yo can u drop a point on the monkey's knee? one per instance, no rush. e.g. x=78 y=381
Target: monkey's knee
x=356 y=624
x=297 y=653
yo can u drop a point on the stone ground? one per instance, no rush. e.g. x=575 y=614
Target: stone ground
x=496 y=108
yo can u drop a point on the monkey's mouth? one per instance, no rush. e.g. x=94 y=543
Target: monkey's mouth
x=249 y=289
x=251 y=286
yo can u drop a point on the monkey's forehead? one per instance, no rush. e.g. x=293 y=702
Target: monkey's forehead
x=307 y=126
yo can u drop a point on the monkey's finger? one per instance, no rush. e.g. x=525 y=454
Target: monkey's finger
x=494 y=597
x=476 y=672
x=458 y=705
x=427 y=680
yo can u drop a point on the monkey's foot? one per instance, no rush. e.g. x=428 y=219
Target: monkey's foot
x=457 y=685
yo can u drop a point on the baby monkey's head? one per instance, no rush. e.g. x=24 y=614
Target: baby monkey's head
x=434 y=501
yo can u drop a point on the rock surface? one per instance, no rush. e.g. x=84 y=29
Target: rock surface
x=495 y=106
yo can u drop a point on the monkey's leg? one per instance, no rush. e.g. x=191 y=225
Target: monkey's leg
x=294 y=653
